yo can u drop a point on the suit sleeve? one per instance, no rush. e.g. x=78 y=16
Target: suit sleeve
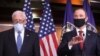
x=63 y=47
x=98 y=45
x=1 y=45
x=36 y=46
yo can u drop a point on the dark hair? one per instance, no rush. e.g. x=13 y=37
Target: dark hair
x=81 y=9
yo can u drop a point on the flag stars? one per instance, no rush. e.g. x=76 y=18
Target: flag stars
x=46 y=12
x=29 y=3
x=47 y=25
x=47 y=21
x=30 y=12
x=25 y=4
x=47 y=8
x=27 y=10
x=51 y=19
x=45 y=28
x=41 y=31
x=24 y=9
x=48 y=5
x=28 y=20
x=53 y=29
x=31 y=22
x=48 y=17
x=33 y=27
x=50 y=23
x=40 y=35
x=42 y=27
x=45 y=15
x=45 y=32
x=26 y=14
x=30 y=26
x=44 y=19
x=43 y=23
x=28 y=7
x=53 y=25
x=48 y=30
x=49 y=14
x=29 y=16
x=26 y=1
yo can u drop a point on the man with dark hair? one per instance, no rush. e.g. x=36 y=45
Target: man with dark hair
x=80 y=41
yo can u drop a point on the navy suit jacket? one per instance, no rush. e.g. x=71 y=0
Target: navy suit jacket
x=91 y=45
x=1 y=45
x=30 y=45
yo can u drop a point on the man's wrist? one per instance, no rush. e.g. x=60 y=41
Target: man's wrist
x=70 y=43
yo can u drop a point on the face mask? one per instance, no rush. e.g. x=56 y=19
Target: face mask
x=79 y=22
x=18 y=27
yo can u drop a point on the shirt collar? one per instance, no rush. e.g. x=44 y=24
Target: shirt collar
x=84 y=30
x=22 y=32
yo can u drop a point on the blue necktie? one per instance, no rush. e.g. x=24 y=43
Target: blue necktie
x=19 y=42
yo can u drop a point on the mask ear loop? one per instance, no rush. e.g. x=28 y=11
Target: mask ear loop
x=86 y=19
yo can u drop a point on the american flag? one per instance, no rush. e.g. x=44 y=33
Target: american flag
x=47 y=33
x=28 y=12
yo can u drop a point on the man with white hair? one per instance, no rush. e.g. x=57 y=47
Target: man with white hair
x=1 y=40
x=19 y=41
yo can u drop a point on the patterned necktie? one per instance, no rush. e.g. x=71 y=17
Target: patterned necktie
x=19 y=42
x=81 y=36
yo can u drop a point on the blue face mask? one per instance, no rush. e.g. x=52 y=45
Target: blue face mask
x=19 y=27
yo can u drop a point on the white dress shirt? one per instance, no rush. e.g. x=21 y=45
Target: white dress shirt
x=84 y=32
x=77 y=31
x=22 y=35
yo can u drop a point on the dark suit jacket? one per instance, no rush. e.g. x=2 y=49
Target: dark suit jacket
x=99 y=34
x=30 y=45
x=1 y=44
x=91 y=45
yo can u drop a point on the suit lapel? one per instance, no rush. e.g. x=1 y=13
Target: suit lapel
x=12 y=39
x=26 y=39
x=88 y=37
x=73 y=35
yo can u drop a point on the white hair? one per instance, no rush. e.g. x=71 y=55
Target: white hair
x=19 y=12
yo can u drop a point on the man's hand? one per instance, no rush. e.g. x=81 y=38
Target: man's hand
x=75 y=40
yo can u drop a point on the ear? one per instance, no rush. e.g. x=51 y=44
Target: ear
x=25 y=22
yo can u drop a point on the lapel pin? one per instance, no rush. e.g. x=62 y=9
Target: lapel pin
x=27 y=35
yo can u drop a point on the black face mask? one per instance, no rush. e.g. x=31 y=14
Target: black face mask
x=79 y=22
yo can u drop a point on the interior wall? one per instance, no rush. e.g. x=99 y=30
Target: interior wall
x=4 y=27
